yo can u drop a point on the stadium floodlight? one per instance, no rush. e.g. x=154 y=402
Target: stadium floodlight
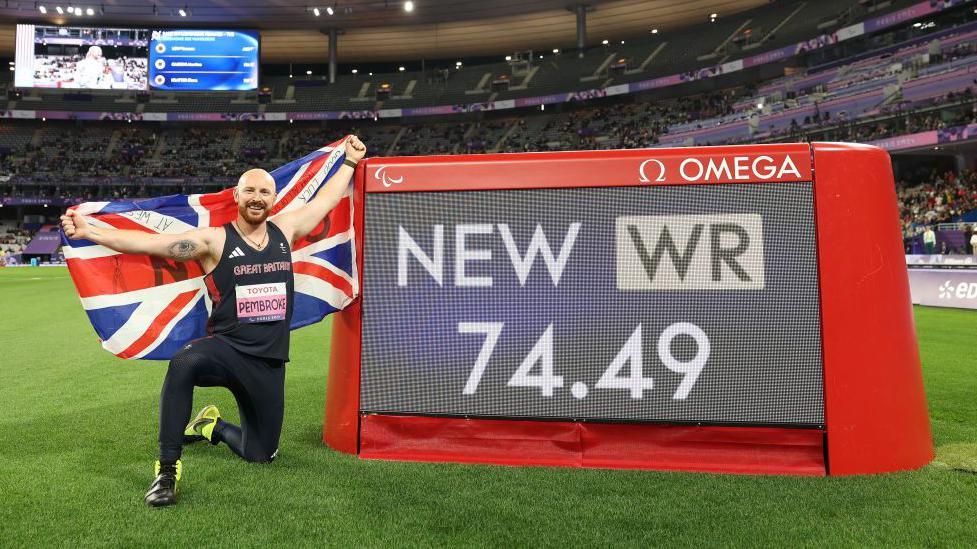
x=182 y=12
x=458 y=64
x=329 y=10
x=654 y=31
x=71 y=9
x=355 y=71
x=308 y=72
x=606 y=42
x=556 y=50
x=401 y=69
x=315 y=11
x=42 y=9
x=508 y=58
x=408 y=6
x=89 y=12
x=59 y=10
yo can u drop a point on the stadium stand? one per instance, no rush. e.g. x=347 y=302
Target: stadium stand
x=701 y=45
x=933 y=198
x=904 y=81
x=13 y=237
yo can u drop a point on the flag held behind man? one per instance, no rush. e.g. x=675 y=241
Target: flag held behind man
x=149 y=307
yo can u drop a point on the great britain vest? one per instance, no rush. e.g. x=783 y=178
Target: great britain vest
x=252 y=292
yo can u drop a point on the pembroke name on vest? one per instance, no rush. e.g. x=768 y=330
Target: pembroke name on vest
x=258 y=268
x=261 y=302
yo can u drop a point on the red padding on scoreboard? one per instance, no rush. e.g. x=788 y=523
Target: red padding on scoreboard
x=875 y=407
x=750 y=450
x=341 y=426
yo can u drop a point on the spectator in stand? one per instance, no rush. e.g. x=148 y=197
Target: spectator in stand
x=929 y=241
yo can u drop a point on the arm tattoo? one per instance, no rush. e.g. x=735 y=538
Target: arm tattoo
x=183 y=249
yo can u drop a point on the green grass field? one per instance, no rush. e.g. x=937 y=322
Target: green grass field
x=78 y=437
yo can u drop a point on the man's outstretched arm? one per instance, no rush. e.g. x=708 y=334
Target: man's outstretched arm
x=300 y=221
x=191 y=245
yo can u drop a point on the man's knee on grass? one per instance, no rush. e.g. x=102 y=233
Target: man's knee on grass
x=260 y=456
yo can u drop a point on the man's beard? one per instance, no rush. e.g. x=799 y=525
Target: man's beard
x=253 y=217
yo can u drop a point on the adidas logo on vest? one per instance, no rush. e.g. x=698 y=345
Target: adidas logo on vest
x=236 y=253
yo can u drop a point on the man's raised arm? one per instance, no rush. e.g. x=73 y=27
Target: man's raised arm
x=191 y=245
x=300 y=221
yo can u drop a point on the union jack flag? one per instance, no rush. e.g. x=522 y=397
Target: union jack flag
x=149 y=307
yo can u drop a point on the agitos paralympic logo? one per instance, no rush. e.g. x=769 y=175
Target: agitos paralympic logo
x=384 y=178
x=725 y=168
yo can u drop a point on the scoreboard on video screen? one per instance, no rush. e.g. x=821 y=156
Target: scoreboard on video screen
x=203 y=59
x=672 y=303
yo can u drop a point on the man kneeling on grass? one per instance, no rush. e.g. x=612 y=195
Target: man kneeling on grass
x=249 y=276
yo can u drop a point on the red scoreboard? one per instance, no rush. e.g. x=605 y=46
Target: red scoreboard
x=731 y=309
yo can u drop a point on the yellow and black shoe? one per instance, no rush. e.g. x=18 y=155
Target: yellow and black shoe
x=202 y=426
x=162 y=491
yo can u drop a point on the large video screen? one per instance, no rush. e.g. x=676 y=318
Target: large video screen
x=694 y=303
x=203 y=60
x=81 y=57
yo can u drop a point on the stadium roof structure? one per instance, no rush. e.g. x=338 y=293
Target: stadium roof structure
x=382 y=30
